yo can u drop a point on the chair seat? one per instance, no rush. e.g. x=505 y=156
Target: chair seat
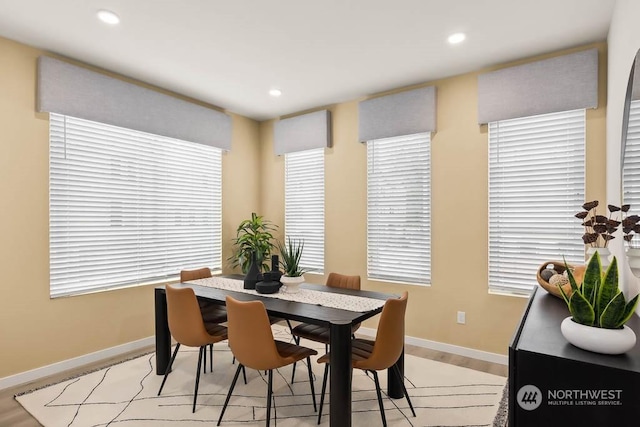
x=218 y=332
x=317 y=333
x=212 y=313
x=293 y=353
x=361 y=350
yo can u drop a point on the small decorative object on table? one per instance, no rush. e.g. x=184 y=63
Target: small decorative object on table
x=554 y=273
x=252 y=276
x=276 y=274
x=599 y=311
x=269 y=284
x=293 y=273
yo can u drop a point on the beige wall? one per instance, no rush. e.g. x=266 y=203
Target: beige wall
x=459 y=196
x=35 y=330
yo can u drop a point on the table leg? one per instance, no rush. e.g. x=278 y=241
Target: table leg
x=340 y=390
x=394 y=388
x=163 y=336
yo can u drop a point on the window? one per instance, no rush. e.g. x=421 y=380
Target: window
x=536 y=186
x=631 y=167
x=128 y=207
x=304 y=205
x=399 y=209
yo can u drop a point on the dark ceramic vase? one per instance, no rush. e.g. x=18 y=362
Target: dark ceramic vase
x=276 y=274
x=269 y=284
x=251 y=278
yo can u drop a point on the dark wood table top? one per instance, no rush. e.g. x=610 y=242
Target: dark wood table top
x=301 y=312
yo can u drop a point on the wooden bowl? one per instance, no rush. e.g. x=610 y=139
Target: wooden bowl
x=559 y=267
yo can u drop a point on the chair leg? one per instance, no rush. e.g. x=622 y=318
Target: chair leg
x=375 y=378
x=293 y=372
x=210 y=357
x=233 y=384
x=244 y=375
x=404 y=389
x=204 y=364
x=296 y=339
x=269 y=393
x=166 y=372
x=324 y=388
x=201 y=353
x=313 y=392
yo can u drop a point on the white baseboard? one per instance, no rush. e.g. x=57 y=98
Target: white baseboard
x=76 y=362
x=447 y=348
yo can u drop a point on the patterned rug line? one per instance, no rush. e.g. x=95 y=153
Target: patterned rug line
x=124 y=394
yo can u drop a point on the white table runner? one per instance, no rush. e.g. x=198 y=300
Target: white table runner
x=308 y=296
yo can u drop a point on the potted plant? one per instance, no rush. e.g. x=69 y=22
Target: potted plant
x=599 y=311
x=253 y=236
x=290 y=254
x=600 y=229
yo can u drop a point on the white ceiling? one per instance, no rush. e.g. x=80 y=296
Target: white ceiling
x=229 y=53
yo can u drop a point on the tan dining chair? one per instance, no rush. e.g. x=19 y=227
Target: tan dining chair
x=320 y=333
x=211 y=313
x=188 y=328
x=383 y=353
x=252 y=343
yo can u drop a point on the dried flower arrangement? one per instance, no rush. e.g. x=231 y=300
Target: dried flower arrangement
x=599 y=229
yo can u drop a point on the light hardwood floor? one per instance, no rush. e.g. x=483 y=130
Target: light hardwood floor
x=12 y=414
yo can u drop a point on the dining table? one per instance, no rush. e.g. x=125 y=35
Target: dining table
x=339 y=321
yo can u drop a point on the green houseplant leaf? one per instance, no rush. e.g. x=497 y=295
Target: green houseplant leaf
x=608 y=291
x=592 y=279
x=581 y=311
x=290 y=255
x=611 y=313
x=629 y=309
x=253 y=235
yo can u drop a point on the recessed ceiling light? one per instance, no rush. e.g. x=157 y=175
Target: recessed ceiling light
x=108 y=17
x=456 y=38
x=275 y=92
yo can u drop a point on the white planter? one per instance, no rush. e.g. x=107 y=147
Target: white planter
x=604 y=256
x=598 y=340
x=291 y=284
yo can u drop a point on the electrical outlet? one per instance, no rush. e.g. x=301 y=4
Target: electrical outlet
x=461 y=317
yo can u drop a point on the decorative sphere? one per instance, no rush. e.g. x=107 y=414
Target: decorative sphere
x=547 y=273
x=558 y=279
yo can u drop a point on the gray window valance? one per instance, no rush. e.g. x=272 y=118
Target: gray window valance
x=398 y=114
x=558 y=84
x=70 y=90
x=304 y=132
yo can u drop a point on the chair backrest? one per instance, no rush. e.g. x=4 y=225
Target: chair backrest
x=200 y=273
x=250 y=336
x=390 y=336
x=185 y=318
x=336 y=280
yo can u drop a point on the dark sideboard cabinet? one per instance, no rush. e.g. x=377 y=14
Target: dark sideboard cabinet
x=553 y=383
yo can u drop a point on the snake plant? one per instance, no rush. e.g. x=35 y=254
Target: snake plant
x=598 y=301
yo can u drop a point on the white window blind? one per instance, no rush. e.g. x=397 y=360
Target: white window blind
x=631 y=167
x=127 y=207
x=536 y=186
x=399 y=209
x=304 y=205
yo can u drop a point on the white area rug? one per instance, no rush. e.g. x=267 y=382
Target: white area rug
x=125 y=395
